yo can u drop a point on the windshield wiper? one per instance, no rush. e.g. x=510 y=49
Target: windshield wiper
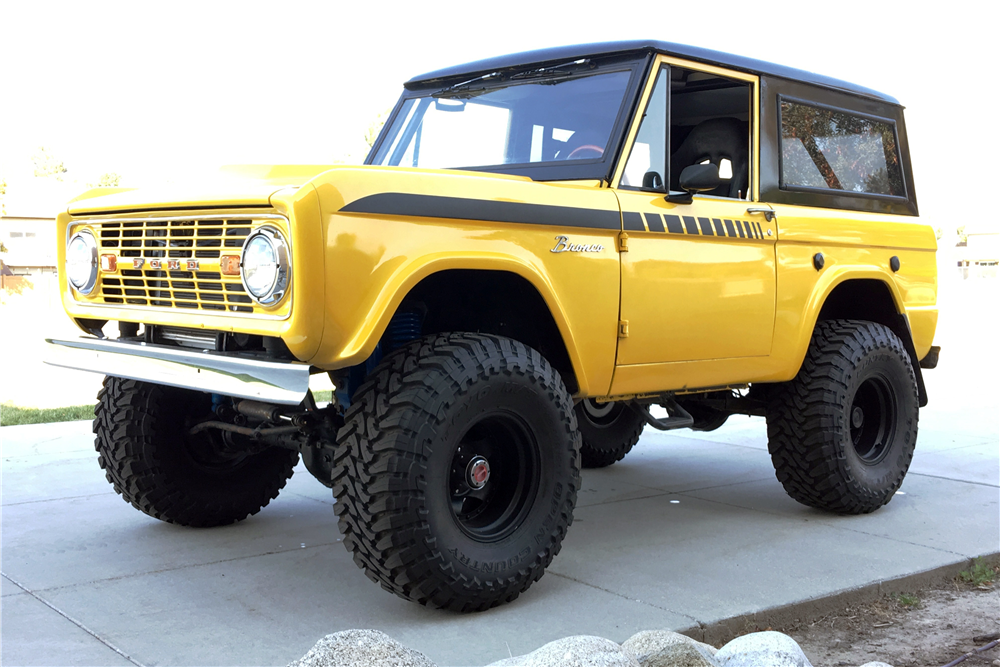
x=464 y=89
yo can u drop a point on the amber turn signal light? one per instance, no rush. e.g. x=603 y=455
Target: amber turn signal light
x=229 y=265
x=109 y=263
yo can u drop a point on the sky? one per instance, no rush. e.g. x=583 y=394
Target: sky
x=161 y=92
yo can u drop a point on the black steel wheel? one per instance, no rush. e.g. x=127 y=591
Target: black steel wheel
x=494 y=476
x=608 y=431
x=457 y=470
x=842 y=433
x=154 y=463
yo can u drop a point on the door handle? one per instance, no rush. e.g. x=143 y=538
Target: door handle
x=769 y=214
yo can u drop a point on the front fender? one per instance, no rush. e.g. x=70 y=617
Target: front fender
x=374 y=258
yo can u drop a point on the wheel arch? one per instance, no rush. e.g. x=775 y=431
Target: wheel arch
x=873 y=298
x=496 y=295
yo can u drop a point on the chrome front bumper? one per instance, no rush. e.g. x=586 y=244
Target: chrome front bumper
x=272 y=381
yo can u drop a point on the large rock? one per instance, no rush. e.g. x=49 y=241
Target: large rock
x=579 y=651
x=361 y=648
x=762 y=649
x=651 y=641
x=679 y=655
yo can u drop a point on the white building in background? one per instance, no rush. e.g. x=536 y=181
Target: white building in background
x=28 y=226
x=981 y=254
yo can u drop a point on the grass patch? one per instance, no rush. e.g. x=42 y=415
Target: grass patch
x=908 y=600
x=13 y=415
x=979 y=575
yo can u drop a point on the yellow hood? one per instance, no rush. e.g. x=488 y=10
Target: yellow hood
x=233 y=187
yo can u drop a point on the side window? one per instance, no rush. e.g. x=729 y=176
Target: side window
x=837 y=150
x=710 y=118
x=692 y=118
x=647 y=163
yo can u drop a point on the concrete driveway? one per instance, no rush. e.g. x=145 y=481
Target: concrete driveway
x=688 y=528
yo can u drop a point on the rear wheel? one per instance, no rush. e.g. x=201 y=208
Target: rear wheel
x=154 y=463
x=608 y=431
x=842 y=433
x=457 y=470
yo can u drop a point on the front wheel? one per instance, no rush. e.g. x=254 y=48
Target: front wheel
x=842 y=433
x=155 y=464
x=457 y=470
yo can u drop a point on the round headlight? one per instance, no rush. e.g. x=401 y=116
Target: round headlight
x=81 y=262
x=264 y=267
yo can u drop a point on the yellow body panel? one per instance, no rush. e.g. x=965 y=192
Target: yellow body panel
x=373 y=261
x=289 y=320
x=690 y=296
x=709 y=304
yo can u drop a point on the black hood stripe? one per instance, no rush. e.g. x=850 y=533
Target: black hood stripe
x=457 y=208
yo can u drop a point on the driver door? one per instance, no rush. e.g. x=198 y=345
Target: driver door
x=698 y=279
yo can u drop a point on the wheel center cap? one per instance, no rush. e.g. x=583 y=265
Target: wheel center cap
x=478 y=472
x=857 y=417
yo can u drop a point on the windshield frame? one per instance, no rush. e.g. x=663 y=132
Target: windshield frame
x=590 y=169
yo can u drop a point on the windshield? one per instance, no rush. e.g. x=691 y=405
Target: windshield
x=522 y=122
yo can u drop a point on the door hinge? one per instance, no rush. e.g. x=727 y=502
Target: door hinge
x=623 y=242
x=623 y=328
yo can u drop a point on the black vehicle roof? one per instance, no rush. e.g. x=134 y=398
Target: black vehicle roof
x=562 y=53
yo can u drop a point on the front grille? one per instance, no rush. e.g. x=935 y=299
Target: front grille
x=174 y=262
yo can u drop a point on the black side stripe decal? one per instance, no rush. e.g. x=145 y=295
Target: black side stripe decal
x=692 y=226
x=632 y=222
x=654 y=222
x=458 y=208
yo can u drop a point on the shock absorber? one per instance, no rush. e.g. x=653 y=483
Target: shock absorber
x=405 y=325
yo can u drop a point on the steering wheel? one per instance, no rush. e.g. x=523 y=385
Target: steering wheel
x=574 y=154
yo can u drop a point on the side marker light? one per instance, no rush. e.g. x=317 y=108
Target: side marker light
x=109 y=263
x=229 y=265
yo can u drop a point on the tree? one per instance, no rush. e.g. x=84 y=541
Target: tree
x=963 y=238
x=107 y=180
x=3 y=193
x=47 y=164
x=371 y=134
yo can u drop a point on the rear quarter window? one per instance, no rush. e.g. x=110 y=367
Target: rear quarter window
x=831 y=149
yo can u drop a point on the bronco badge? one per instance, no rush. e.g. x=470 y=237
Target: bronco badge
x=563 y=245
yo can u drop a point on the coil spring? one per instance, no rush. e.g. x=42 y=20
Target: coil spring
x=404 y=327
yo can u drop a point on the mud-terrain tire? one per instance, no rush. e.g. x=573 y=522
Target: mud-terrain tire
x=412 y=451
x=154 y=464
x=842 y=433
x=608 y=431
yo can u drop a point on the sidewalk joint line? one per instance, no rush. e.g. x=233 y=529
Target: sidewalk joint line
x=53 y=500
x=624 y=597
x=305 y=497
x=952 y=479
x=72 y=620
x=134 y=575
x=825 y=519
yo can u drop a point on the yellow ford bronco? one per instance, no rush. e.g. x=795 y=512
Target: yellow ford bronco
x=538 y=249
